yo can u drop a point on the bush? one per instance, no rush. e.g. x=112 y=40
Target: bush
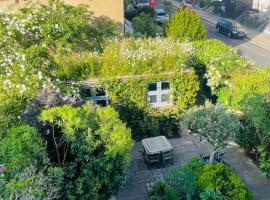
x=161 y=191
x=28 y=173
x=221 y=178
x=21 y=148
x=209 y=194
x=149 y=10
x=144 y=25
x=186 y=24
x=183 y=183
x=92 y=145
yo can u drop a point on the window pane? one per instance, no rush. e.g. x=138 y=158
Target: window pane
x=165 y=98
x=100 y=92
x=153 y=99
x=86 y=92
x=152 y=87
x=102 y=103
x=165 y=85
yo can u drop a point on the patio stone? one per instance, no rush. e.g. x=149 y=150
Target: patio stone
x=133 y=192
x=144 y=176
x=158 y=174
x=141 y=164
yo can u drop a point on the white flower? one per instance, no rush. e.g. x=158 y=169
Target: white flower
x=40 y=76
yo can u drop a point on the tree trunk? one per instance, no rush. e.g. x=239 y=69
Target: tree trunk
x=212 y=157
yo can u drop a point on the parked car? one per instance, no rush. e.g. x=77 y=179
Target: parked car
x=230 y=28
x=161 y=16
x=140 y=3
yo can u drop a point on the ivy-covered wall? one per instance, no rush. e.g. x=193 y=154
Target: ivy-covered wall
x=129 y=98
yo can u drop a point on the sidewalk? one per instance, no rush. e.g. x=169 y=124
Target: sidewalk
x=261 y=39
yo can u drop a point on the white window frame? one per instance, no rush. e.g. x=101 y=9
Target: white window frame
x=158 y=93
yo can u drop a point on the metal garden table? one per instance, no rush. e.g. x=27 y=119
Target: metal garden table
x=157 y=149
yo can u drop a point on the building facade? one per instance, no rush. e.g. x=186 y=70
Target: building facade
x=261 y=5
x=113 y=9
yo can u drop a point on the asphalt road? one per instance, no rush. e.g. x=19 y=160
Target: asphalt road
x=250 y=51
x=247 y=49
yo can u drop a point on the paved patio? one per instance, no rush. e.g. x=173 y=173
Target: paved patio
x=142 y=177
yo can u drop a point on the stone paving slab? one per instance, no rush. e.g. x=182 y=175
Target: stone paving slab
x=142 y=177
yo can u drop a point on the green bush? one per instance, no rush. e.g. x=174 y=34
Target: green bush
x=149 y=10
x=144 y=25
x=22 y=147
x=221 y=178
x=77 y=67
x=161 y=191
x=93 y=146
x=183 y=183
x=28 y=173
x=186 y=24
x=209 y=194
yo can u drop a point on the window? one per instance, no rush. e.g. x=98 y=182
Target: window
x=159 y=94
x=97 y=95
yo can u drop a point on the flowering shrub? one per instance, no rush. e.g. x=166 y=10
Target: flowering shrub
x=144 y=56
x=220 y=61
x=34 y=44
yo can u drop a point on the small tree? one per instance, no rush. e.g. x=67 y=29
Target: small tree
x=186 y=24
x=144 y=25
x=214 y=123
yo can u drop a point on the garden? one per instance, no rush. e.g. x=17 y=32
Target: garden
x=56 y=144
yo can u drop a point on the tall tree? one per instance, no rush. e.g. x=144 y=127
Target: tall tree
x=186 y=25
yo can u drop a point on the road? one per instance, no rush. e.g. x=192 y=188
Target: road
x=246 y=48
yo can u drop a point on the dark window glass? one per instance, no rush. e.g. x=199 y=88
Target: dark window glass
x=102 y=103
x=165 y=85
x=100 y=92
x=152 y=87
x=86 y=92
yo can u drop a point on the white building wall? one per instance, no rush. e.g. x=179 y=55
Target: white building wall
x=261 y=5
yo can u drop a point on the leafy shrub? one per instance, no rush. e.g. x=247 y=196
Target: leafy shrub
x=20 y=148
x=183 y=183
x=144 y=25
x=216 y=5
x=92 y=145
x=195 y=165
x=77 y=67
x=186 y=24
x=220 y=61
x=209 y=194
x=28 y=173
x=161 y=191
x=149 y=10
x=221 y=178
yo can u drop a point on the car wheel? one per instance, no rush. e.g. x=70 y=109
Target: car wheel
x=229 y=35
x=218 y=30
